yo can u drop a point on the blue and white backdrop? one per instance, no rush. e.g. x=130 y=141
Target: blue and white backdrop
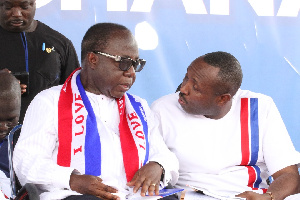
x=264 y=35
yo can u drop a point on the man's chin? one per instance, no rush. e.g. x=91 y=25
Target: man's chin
x=117 y=95
x=16 y=29
x=183 y=106
x=187 y=109
x=19 y=28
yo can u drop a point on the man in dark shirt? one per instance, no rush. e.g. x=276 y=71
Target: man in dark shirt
x=33 y=48
x=10 y=104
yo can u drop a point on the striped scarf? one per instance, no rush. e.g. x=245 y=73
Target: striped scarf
x=79 y=134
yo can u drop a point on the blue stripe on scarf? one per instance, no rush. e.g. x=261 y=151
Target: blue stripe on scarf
x=139 y=109
x=92 y=147
x=254 y=130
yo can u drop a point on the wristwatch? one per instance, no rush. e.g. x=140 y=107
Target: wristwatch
x=163 y=172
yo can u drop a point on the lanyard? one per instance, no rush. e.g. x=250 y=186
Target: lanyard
x=24 y=41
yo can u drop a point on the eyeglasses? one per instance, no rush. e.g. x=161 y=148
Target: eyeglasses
x=125 y=63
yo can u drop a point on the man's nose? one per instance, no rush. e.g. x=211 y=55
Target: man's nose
x=130 y=72
x=184 y=88
x=16 y=12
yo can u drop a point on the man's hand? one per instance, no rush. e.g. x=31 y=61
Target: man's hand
x=23 y=88
x=147 y=177
x=249 y=195
x=286 y=182
x=87 y=184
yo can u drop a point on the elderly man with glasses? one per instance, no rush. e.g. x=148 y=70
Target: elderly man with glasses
x=89 y=138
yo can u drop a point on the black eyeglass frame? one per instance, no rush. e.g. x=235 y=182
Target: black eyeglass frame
x=134 y=63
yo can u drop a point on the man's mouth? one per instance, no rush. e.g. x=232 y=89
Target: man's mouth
x=181 y=99
x=16 y=22
x=125 y=86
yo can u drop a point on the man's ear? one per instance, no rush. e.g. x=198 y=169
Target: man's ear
x=92 y=60
x=223 y=99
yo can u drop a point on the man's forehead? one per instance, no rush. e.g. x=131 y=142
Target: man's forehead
x=121 y=36
x=200 y=69
x=124 y=46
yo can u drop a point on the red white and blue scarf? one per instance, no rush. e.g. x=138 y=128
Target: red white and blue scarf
x=78 y=131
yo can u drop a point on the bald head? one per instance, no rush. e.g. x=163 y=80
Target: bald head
x=9 y=86
x=10 y=103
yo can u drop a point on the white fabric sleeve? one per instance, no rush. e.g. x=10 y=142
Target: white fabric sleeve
x=159 y=151
x=278 y=148
x=34 y=158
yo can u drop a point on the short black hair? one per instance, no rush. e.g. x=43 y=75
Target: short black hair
x=97 y=37
x=230 y=74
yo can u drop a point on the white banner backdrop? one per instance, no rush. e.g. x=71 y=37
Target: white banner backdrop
x=264 y=35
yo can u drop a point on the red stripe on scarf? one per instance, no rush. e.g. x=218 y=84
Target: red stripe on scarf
x=129 y=149
x=65 y=123
x=244 y=132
